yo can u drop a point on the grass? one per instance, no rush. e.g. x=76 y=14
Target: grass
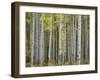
x=54 y=63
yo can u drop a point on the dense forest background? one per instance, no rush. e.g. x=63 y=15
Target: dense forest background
x=54 y=39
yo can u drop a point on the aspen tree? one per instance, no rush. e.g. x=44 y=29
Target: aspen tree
x=86 y=39
x=79 y=41
x=65 y=38
x=37 y=39
x=33 y=40
x=42 y=41
x=72 y=39
x=60 y=42
x=50 y=40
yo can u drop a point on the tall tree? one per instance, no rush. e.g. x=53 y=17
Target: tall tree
x=32 y=39
x=86 y=39
x=79 y=41
x=53 y=39
x=69 y=38
x=72 y=39
x=50 y=40
x=60 y=41
x=42 y=42
x=57 y=37
x=37 y=39
x=83 y=40
x=65 y=40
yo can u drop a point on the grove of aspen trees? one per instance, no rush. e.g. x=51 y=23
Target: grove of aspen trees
x=54 y=39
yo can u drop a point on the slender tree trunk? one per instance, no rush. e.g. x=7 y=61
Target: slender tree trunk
x=65 y=40
x=69 y=41
x=60 y=43
x=50 y=40
x=46 y=44
x=42 y=42
x=37 y=39
x=33 y=40
x=53 y=42
x=79 y=41
x=83 y=40
x=57 y=38
x=72 y=39
x=86 y=40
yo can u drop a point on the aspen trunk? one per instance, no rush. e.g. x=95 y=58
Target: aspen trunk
x=68 y=42
x=60 y=43
x=42 y=42
x=86 y=40
x=37 y=40
x=33 y=40
x=72 y=39
x=57 y=38
x=50 y=40
x=79 y=41
x=83 y=40
x=65 y=41
x=53 y=41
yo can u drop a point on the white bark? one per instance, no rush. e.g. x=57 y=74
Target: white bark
x=60 y=43
x=42 y=42
x=65 y=38
x=79 y=41
x=33 y=43
x=86 y=39
x=74 y=40
x=50 y=40
x=37 y=40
